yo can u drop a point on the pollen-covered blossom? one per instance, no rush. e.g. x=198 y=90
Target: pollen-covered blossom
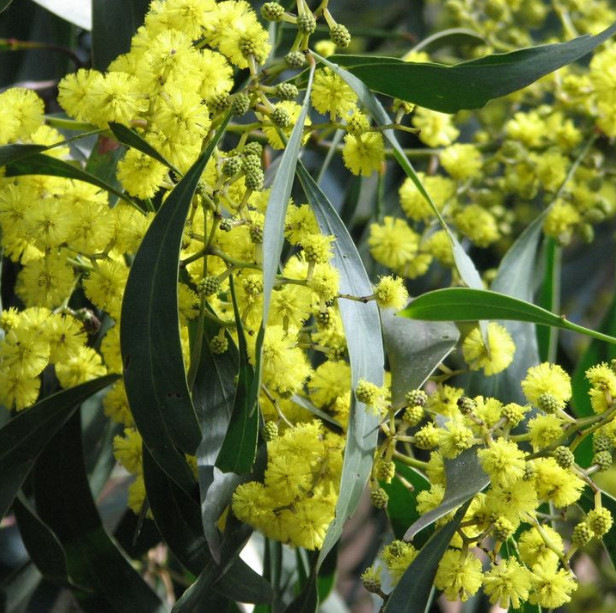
x=459 y=575
x=496 y=357
x=331 y=94
x=507 y=584
x=436 y=128
x=551 y=586
x=547 y=379
x=390 y=293
x=603 y=387
x=364 y=153
x=504 y=461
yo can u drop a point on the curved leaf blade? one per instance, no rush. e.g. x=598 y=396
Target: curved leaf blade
x=130 y=138
x=40 y=164
x=363 y=333
x=273 y=229
x=25 y=436
x=64 y=502
x=470 y=85
x=12 y=153
x=176 y=515
x=239 y=448
x=464 y=264
x=412 y=593
x=154 y=374
x=465 y=304
x=42 y=544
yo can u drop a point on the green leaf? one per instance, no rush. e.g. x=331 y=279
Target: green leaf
x=24 y=436
x=65 y=504
x=464 y=478
x=549 y=297
x=211 y=591
x=239 y=448
x=213 y=395
x=42 y=544
x=114 y=22
x=412 y=593
x=12 y=153
x=40 y=164
x=131 y=138
x=4 y=4
x=177 y=516
x=154 y=374
x=469 y=85
x=465 y=304
x=587 y=503
x=414 y=349
x=363 y=333
x=402 y=504
x=450 y=37
x=273 y=229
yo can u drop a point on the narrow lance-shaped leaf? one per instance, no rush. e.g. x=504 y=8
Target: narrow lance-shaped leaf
x=469 y=85
x=40 y=164
x=24 y=436
x=130 y=138
x=154 y=373
x=515 y=277
x=363 y=333
x=465 y=304
x=12 y=153
x=273 y=229
x=64 y=502
x=214 y=391
x=42 y=544
x=239 y=448
x=412 y=593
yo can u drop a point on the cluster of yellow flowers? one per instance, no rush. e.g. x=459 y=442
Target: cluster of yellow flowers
x=527 y=453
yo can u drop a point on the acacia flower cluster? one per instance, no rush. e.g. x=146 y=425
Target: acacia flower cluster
x=192 y=67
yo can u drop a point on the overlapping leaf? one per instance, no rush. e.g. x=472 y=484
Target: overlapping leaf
x=363 y=333
x=64 y=503
x=24 y=437
x=464 y=478
x=40 y=164
x=468 y=85
x=154 y=373
x=465 y=304
x=412 y=593
x=114 y=22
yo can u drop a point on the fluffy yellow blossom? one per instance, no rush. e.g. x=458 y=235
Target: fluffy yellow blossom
x=436 y=128
x=549 y=379
x=551 y=587
x=413 y=202
x=496 y=357
x=330 y=94
x=507 y=584
x=390 y=293
x=461 y=161
x=459 y=575
x=363 y=153
x=504 y=461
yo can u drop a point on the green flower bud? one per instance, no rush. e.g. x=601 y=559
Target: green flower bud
x=306 y=23
x=564 y=457
x=286 y=91
x=379 y=498
x=272 y=11
x=295 y=59
x=340 y=36
x=416 y=398
x=209 y=285
x=240 y=104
